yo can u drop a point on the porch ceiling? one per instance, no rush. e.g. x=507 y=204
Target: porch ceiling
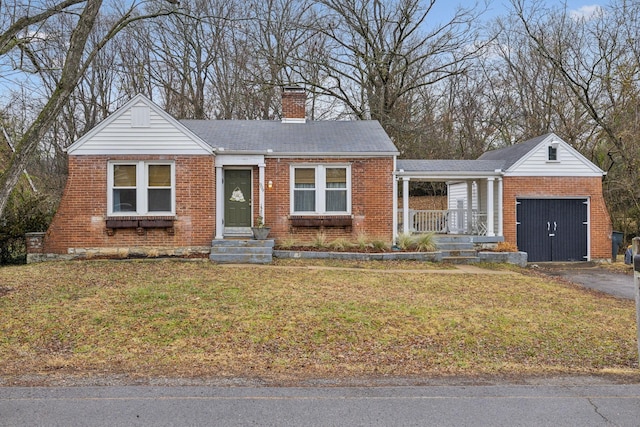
x=446 y=170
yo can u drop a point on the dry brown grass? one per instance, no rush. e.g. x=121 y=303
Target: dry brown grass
x=196 y=319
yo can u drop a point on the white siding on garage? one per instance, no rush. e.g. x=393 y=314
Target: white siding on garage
x=139 y=129
x=569 y=163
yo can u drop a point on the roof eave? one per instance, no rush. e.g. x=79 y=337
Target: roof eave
x=449 y=175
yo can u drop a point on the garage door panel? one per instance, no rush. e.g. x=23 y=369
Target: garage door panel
x=532 y=218
x=552 y=229
x=570 y=242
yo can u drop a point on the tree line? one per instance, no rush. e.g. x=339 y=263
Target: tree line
x=442 y=86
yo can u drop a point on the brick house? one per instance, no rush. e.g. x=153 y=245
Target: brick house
x=142 y=183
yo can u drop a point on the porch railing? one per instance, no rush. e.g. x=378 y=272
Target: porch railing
x=445 y=221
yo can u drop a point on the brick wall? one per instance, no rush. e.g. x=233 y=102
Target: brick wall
x=371 y=199
x=80 y=221
x=532 y=187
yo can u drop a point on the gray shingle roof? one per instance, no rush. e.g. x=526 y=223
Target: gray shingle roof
x=513 y=153
x=311 y=138
x=450 y=165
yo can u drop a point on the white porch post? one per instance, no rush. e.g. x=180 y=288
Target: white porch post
x=469 y=221
x=219 y=203
x=261 y=167
x=395 y=208
x=490 y=209
x=500 y=206
x=405 y=204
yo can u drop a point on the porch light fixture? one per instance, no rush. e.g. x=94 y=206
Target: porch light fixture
x=270 y=184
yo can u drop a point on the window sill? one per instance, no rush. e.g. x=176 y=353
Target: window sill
x=321 y=221
x=140 y=223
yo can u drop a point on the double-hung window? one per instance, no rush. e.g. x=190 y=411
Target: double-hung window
x=321 y=189
x=141 y=188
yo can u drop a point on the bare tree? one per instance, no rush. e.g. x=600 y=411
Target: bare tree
x=381 y=53
x=17 y=40
x=598 y=62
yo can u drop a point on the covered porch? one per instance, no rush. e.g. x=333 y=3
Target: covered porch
x=474 y=198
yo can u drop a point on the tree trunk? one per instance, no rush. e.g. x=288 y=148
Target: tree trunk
x=71 y=72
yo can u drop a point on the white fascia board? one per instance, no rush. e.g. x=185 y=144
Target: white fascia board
x=116 y=114
x=555 y=173
x=512 y=171
x=448 y=176
x=367 y=154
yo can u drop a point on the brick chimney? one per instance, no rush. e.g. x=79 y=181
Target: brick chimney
x=293 y=104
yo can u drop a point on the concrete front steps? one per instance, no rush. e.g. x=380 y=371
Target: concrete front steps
x=242 y=251
x=457 y=249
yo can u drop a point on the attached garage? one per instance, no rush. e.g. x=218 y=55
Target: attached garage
x=552 y=201
x=553 y=229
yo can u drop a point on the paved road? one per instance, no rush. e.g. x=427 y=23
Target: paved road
x=498 y=405
x=617 y=284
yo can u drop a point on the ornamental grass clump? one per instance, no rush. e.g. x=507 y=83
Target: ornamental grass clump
x=340 y=244
x=425 y=242
x=419 y=243
x=320 y=241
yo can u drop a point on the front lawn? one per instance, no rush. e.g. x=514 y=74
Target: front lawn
x=145 y=319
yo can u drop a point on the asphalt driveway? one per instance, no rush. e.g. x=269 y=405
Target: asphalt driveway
x=617 y=284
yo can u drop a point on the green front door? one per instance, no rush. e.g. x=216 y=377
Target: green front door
x=237 y=198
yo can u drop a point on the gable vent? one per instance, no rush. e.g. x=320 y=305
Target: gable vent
x=140 y=116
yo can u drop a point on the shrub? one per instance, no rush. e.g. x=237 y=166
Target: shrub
x=379 y=245
x=405 y=241
x=320 y=240
x=25 y=212
x=425 y=242
x=287 y=243
x=362 y=242
x=340 y=244
x=506 y=247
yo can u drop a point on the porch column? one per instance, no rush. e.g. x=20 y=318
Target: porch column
x=500 y=206
x=490 y=231
x=405 y=204
x=469 y=221
x=395 y=208
x=261 y=167
x=219 y=204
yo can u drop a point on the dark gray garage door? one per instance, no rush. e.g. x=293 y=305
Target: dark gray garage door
x=552 y=229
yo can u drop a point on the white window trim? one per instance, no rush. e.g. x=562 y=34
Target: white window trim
x=142 y=173
x=320 y=189
x=555 y=146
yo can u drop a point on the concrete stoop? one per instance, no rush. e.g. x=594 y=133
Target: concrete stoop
x=457 y=249
x=242 y=251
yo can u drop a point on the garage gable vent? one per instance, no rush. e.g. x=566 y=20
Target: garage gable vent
x=140 y=116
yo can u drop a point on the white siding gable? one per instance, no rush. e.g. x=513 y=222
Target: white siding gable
x=569 y=161
x=140 y=127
